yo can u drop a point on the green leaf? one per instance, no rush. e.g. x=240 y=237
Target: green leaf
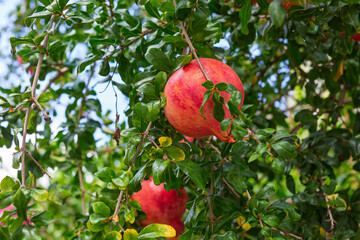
x=182 y=13
x=113 y=236
x=7 y=184
x=129 y=216
x=266 y=192
x=218 y=110
x=152 y=10
x=284 y=149
x=101 y=208
x=294 y=53
x=160 y=81
x=221 y=86
x=6 y=199
x=123 y=180
x=105 y=68
x=225 y=124
x=229 y=235
x=140 y=116
x=158 y=59
x=39 y=194
x=271 y=220
x=195 y=172
x=280 y=135
x=234 y=102
x=43 y=219
x=290 y=183
x=86 y=62
x=236 y=179
x=206 y=97
x=350 y=15
x=125 y=69
x=136 y=205
x=148 y=89
x=157 y=230
x=45 y=97
x=245 y=15
x=175 y=153
x=106 y=174
x=20 y=202
x=277 y=13
x=329 y=189
x=158 y=169
x=208 y=85
x=154 y=109
x=254 y=156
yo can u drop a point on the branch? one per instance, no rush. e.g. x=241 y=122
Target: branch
x=46 y=117
x=331 y=219
x=231 y=189
x=144 y=33
x=23 y=148
x=287 y=233
x=145 y=135
x=60 y=73
x=191 y=46
x=296 y=128
x=82 y=188
x=37 y=163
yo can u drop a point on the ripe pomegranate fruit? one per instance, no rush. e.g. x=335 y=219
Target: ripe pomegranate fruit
x=184 y=95
x=162 y=206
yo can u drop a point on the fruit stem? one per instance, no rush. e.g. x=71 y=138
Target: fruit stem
x=193 y=50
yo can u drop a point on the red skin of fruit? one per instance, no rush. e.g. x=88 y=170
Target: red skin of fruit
x=184 y=96
x=190 y=139
x=162 y=206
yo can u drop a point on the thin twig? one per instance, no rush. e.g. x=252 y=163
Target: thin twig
x=82 y=188
x=118 y=204
x=191 y=46
x=231 y=189
x=331 y=218
x=213 y=147
x=144 y=33
x=153 y=142
x=37 y=163
x=46 y=117
x=40 y=61
x=296 y=128
x=60 y=73
x=140 y=145
x=145 y=134
x=17 y=107
x=287 y=233
x=251 y=134
x=23 y=148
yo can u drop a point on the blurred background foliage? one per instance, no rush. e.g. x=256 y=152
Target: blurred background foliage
x=291 y=174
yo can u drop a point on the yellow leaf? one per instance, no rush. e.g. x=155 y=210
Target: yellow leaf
x=338 y=70
x=322 y=232
x=113 y=236
x=246 y=226
x=165 y=141
x=241 y=220
x=333 y=196
x=131 y=234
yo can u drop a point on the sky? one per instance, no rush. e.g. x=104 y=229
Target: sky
x=106 y=98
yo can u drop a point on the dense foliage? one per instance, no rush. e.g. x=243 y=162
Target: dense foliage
x=291 y=174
